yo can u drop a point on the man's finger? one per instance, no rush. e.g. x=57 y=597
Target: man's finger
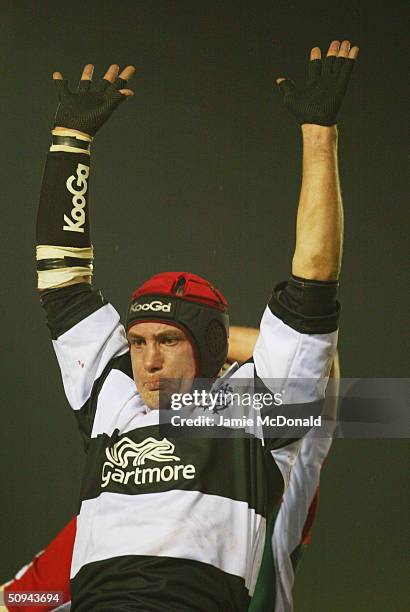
x=127 y=73
x=87 y=73
x=330 y=60
x=127 y=92
x=333 y=48
x=344 y=49
x=84 y=86
x=315 y=53
x=285 y=85
x=353 y=53
x=112 y=73
x=346 y=70
x=314 y=70
x=57 y=76
x=61 y=86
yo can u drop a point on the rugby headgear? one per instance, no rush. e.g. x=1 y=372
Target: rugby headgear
x=191 y=303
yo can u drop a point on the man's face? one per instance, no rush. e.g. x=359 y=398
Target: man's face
x=160 y=351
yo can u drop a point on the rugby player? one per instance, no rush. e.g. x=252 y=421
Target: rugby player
x=180 y=524
x=49 y=571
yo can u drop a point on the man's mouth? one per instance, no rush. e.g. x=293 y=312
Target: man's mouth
x=154 y=385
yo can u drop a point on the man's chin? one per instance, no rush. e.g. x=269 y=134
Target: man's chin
x=157 y=399
x=150 y=399
x=161 y=398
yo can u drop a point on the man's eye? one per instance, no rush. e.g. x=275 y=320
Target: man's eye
x=137 y=342
x=170 y=341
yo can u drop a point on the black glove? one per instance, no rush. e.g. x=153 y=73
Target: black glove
x=320 y=99
x=87 y=109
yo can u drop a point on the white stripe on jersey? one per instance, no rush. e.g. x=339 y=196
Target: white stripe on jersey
x=182 y=524
x=85 y=349
x=119 y=406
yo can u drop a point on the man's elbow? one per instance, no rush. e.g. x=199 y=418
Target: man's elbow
x=315 y=268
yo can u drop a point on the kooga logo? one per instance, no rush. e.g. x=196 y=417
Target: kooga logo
x=76 y=223
x=155 y=306
x=126 y=453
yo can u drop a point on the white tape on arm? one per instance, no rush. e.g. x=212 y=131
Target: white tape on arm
x=55 y=277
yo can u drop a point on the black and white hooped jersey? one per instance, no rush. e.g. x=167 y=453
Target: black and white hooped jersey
x=169 y=524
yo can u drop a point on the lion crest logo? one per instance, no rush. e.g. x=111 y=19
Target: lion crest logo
x=126 y=451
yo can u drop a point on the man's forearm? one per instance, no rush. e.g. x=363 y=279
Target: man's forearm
x=64 y=251
x=71 y=150
x=315 y=105
x=319 y=227
x=241 y=343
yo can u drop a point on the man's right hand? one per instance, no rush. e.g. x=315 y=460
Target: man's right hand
x=87 y=109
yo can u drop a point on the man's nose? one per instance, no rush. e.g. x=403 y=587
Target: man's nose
x=153 y=359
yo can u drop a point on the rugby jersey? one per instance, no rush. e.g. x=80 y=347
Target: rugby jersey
x=170 y=524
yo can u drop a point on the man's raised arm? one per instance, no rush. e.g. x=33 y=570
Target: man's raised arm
x=298 y=331
x=85 y=329
x=64 y=251
x=319 y=228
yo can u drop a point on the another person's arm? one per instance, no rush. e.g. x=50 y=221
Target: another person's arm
x=241 y=343
x=48 y=571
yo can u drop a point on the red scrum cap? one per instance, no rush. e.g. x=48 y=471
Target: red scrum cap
x=191 y=303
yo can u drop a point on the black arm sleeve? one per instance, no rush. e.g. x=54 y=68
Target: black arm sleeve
x=308 y=306
x=63 y=218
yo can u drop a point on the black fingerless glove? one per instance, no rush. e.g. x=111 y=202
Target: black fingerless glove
x=89 y=108
x=320 y=99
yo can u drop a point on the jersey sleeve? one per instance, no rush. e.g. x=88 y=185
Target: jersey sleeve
x=293 y=356
x=298 y=334
x=86 y=334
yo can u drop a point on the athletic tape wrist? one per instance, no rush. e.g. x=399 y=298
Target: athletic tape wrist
x=70 y=142
x=63 y=215
x=48 y=279
x=57 y=265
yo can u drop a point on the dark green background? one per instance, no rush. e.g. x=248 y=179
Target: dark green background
x=201 y=171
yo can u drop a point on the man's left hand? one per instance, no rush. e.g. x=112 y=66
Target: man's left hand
x=319 y=101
